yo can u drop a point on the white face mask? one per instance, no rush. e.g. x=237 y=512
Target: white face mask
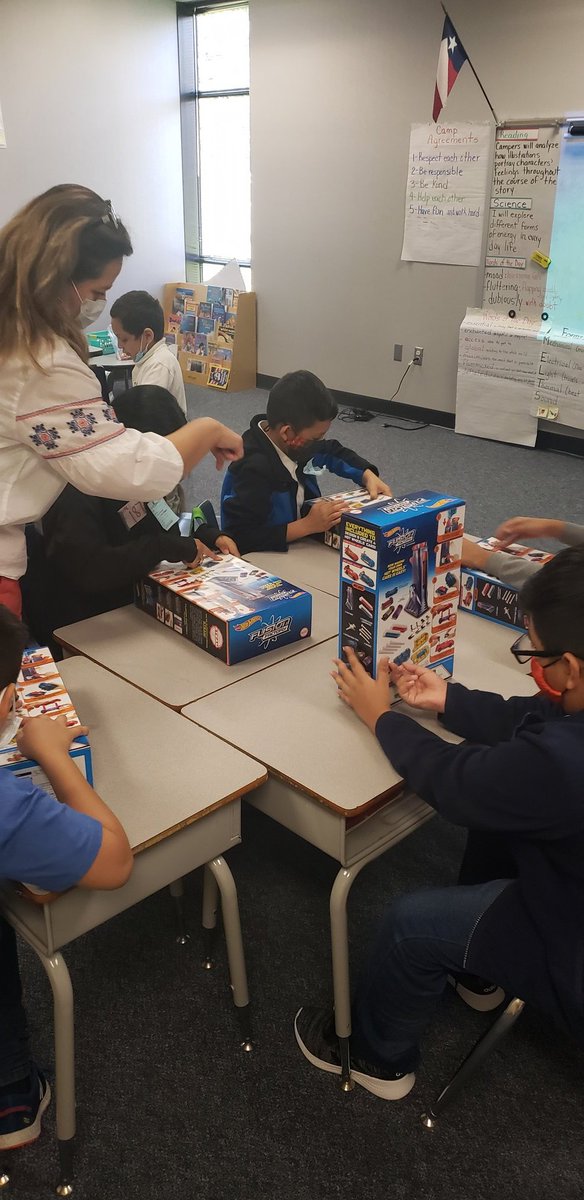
x=90 y=310
x=11 y=724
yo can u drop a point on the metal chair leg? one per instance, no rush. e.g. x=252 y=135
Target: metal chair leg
x=473 y=1061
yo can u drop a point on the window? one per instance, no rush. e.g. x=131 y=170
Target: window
x=214 y=83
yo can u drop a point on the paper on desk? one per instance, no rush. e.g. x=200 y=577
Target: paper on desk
x=229 y=277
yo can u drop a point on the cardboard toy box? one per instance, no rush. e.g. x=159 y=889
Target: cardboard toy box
x=41 y=692
x=229 y=608
x=400 y=576
x=486 y=596
x=359 y=499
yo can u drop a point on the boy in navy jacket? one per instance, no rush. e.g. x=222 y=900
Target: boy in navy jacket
x=515 y=921
x=265 y=497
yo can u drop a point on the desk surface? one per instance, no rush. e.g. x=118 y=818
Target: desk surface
x=160 y=662
x=307 y=563
x=291 y=719
x=111 y=361
x=156 y=772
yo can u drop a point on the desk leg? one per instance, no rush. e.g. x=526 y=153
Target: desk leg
x=209 y=918
x=60 y=981
x=340 y=957
x=234 y=943
x=177 y=891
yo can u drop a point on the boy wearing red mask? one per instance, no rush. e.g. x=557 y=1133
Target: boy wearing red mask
x=515 y=921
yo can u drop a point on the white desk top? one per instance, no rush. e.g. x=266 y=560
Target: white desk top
x=307 y=563
x=110 y=361
x=161 y=662
x=156 y=772
x=291 y=718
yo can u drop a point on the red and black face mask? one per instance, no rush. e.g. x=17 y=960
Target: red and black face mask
x=538 y=673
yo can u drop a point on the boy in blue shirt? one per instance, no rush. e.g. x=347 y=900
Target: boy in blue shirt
x=265 y=496
x=515 y=921
x=56 y=844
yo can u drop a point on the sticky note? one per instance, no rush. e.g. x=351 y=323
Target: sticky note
x=541 y=259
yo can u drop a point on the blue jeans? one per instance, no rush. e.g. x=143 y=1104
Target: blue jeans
x=423 y=938
x=14 y=1046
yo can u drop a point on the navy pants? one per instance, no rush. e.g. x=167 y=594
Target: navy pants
x=14 y=1046
x=430 y=934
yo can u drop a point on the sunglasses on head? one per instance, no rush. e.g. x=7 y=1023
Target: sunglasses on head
x=110 y=216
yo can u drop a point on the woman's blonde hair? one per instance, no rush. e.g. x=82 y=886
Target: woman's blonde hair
x=67 y=235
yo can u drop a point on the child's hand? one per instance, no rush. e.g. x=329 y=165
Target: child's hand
x=419 y=687
x=44 y=737
x=368 y=697
x=518 y=528
x=226 y=545
x=324 y=514
x=228 y=447
x=202 y=552
x=375 y=486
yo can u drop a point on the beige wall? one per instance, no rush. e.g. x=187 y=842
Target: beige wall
x=335 y=87
x=89 y=94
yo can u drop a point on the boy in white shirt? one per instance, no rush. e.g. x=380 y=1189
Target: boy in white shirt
x=138 y=323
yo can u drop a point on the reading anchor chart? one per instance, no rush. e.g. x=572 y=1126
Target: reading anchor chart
x=520 y=222
x=497 y=364
x=446 y=193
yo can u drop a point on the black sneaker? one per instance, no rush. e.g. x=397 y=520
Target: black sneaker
x=316 y=1036
x=21 y=1112
x=477 y=992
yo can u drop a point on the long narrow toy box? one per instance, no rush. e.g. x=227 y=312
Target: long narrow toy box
x=229 y=608
x=400 y=578
x=41 y=692
x=485 y=596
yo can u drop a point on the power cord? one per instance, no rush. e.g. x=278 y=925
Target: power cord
x=408 y=426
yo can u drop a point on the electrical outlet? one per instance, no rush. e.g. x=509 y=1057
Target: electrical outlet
x=418 y=355
x=397 y=352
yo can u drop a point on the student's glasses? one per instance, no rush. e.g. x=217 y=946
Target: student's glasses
x=523 y=651
x=110 y=216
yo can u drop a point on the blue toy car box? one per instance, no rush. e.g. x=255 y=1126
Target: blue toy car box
x=485 y=596
x=228 y=607
x=400 y=578
x=41 y=692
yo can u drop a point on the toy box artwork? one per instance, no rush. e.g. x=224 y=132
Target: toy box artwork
x=358 y=499
x=400 y=575
x=41 y=692
x=228 y=607
x=485 y=596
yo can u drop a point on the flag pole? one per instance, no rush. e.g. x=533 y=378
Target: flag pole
x=497 y=122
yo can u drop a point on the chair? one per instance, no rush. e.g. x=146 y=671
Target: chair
x=473 y=1061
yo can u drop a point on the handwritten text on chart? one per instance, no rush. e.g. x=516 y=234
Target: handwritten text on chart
x=445 y=193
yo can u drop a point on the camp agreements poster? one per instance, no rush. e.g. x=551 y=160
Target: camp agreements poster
x=446 y=193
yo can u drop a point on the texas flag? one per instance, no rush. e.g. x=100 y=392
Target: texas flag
x=450 y=59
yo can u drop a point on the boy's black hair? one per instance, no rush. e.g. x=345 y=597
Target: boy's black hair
x=150 y=409
x=13 y=640
x=554 y=599
x=300 y=399
x=138 y=311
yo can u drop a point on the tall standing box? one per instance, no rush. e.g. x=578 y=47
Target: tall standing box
x=213 y=331
x=400 y=578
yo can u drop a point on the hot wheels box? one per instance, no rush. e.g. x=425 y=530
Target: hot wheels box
x=41 y=692
x=229 y=608
x=358 y=498
x=486 y=596
x=400 y=577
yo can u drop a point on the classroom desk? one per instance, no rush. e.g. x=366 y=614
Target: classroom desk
x=308 y=563
x=330 y=782
x=177 y=790
x=160 y=662
x=114 y=365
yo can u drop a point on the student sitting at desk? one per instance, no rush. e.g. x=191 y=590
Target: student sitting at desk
x=138 y=324
x=94 y=550
x=508 y=567
x=516 y=918
x=264 y=502
x=55 y=844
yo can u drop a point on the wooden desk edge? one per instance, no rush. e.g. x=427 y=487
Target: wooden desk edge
x=237 y=794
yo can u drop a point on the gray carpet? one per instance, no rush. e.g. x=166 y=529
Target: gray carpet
x=168 y=1104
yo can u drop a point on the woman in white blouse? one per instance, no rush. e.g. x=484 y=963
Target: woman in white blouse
x=58 y=258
